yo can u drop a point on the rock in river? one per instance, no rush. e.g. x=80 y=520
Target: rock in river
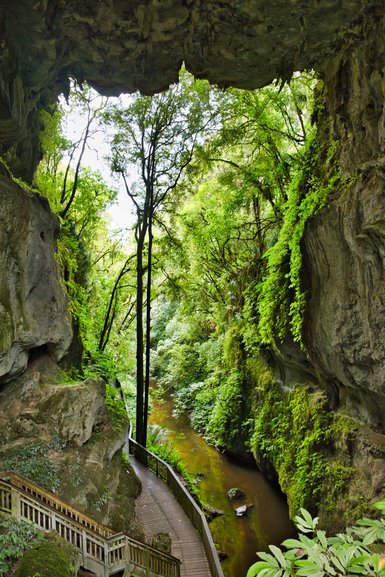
x=234 y=494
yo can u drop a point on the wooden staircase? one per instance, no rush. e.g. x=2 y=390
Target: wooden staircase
x=102 y=551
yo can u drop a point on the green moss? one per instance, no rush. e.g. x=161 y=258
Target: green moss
x=51 y=556
x=232 y=352
x=225 y=422
x=295 y=432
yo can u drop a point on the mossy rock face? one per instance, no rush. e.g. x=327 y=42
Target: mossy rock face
x=62 y=438
x=48 y=558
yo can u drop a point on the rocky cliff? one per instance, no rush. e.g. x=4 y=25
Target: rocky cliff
x=345 y=244
x=33 y=303
x=62 y=437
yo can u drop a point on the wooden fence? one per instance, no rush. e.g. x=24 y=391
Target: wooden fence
x=165 y=472
x=101 y=550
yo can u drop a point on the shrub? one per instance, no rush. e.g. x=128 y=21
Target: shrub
x=15 y=538
x=314 y=554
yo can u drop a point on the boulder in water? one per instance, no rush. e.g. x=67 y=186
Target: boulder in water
x=242 y=511
x=234 y=494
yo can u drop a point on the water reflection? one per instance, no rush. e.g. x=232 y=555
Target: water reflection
x=267 y=521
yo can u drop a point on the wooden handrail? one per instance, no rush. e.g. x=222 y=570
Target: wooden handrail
x=102 y=550
x=50 y=499
x=165 y=472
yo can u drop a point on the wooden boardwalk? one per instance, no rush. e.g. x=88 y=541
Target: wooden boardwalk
x=158 y=511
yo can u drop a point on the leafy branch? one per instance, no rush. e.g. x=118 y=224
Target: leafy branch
x=346 y=554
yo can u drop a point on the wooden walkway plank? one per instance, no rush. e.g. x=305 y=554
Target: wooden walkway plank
x=158 y=511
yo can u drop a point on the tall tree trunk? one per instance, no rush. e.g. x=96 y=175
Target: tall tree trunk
x=139 y=339
x=148 y=328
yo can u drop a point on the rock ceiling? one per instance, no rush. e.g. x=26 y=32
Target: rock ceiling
x=124 y=45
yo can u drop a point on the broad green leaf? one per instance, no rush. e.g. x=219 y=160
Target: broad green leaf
x=278 y=554
x=293 y=544
x=306 y=563
x=315 y=572
x=257 y=567
x=322 y=538
x=359 y=560
x=358 y=570
x=269 y=558
x=370 y=537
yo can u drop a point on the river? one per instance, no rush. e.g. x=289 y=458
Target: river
x=267 y=521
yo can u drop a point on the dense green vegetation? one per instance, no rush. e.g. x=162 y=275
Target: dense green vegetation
x=209 y=282
x=32 y=461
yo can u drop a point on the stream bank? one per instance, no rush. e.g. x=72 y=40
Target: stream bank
x=267 y=520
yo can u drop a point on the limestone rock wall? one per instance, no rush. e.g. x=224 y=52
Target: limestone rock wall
x=345 y=330
x=61 y=436
x=118 y=45
x=33 y=302
x=345 y=245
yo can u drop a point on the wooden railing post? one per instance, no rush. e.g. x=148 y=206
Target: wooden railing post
x=147 y=561
x=84 y=546
x=106 y=561
x=53 y=521
x=15 y=500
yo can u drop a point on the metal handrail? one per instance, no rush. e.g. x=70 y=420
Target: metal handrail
x=165 y=472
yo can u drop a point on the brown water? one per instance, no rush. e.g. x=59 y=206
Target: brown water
x=267 y=522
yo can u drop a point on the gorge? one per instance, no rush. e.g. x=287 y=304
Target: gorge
x=117 y=47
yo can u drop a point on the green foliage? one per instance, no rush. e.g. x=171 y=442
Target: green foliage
x=166 y=451
x=15 y=538
x=71 y=257
x=116 y=407
x=280 y=298
x=32 y=462
x=225 y=422
x=48 y=556
x=314 y=554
